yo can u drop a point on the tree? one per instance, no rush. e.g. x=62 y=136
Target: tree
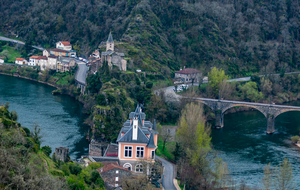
x=165 y=134
x=284 y=176
x=5 y=53
x=267 y=179
x=195 y=167
x=36 y=134
x=215 y=77
x=47 y=150
x=250 y=92
x=14 y=115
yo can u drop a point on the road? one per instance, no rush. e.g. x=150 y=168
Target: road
x=18 y=42
x=81 y=74
x=168 y=174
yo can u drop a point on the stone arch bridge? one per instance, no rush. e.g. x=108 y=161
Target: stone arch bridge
x=270 y=111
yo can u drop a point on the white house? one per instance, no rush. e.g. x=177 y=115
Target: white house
x=1 y=59
x=20 y=61
x=52 y=62
x=34 y=60
x=43 y=62
x=65 y=45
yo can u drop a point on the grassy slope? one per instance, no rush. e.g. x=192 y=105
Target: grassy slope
x=12 y=53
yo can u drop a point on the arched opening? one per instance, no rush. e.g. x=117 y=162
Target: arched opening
x=127 y=166
x=288 y=122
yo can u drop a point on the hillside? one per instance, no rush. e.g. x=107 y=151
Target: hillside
x=242 y=37
x=26 y=165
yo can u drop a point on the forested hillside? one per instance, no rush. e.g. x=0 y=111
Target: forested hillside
x=242 y=37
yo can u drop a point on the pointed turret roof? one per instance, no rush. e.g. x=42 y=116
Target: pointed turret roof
x=151 y=141
x=110 y=38
x=154 y=127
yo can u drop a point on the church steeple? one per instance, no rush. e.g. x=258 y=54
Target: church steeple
x=110 y=43
x=110 y=38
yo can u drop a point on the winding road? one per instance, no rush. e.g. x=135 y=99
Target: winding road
x=168 y=176
x=19 y=42
x=81 y=73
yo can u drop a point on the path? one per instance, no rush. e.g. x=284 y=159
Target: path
x=18 y=42
x=168 y=175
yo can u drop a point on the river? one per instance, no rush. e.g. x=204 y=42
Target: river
x=246 y=148
x=242 y=143
x=60 y=117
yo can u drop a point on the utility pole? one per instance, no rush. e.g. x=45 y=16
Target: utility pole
x=219 y=95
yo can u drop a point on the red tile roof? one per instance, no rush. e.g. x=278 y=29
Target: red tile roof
x=65 y=43
x=35 y=57
x=109 y=167
x=20 y=59
x=43 y=57
x=188 y=71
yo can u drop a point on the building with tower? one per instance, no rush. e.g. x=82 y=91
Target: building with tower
x=136 y=143
x=112 y=57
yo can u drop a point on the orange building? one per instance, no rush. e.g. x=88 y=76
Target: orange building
x=137 y=141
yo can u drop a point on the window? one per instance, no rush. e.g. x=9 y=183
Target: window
x=140 y=152
x=128 y=152
x=139 y=168
x=117 y=178
x=117 y=171
x=152 y=155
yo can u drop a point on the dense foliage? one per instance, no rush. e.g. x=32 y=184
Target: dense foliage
x=241 y=37
x=26 y=165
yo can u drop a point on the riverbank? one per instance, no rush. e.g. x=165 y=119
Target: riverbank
x=19 y=76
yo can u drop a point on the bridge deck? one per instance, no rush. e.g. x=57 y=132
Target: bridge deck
x=249 y=103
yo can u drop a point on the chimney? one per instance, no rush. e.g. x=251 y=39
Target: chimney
x=183 y=67
x=135 y=128
x=180 y=68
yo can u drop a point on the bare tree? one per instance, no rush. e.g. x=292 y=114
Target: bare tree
x=284 y=176
x=267 y=179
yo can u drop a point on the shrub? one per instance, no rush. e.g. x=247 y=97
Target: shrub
x=47 y=150
x=75 y=169
x=295 y=139
x=149 y=84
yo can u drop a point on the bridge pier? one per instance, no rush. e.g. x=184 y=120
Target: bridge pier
x=219 y=119
x=270 y=124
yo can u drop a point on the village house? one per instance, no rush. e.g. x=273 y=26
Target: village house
x=59 y=52
x=43 y=62
x=65 y=45
x=65 y=64
x=137 y=142
x=1 y=59
x=112 y=57
x=34 y=60
x=52 y=61
x=20 y=61
x=188 y=75
x=113 y=174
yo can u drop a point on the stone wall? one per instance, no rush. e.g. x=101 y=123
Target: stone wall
x=62 y=153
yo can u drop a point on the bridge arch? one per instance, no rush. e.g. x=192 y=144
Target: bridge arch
x=283 y=111
x=244 y=105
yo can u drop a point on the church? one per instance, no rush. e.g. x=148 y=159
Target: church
x=112 y=57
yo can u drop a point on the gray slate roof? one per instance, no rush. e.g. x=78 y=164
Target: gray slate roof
x=151 y=142
x=143 y=129
x=110 y=39
x=127 y=137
